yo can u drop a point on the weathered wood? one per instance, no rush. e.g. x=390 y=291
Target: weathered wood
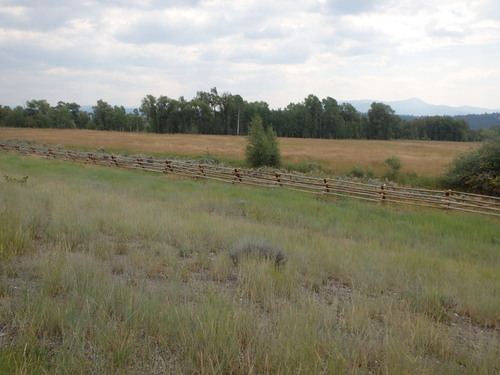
x=447 y=199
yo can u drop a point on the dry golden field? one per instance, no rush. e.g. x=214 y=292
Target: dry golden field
x=422 y=157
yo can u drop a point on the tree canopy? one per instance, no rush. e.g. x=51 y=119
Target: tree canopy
x=214 y=113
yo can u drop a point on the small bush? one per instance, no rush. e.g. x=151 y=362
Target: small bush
x=305 y=167
x=478 y=170
x=258 y=248
x=21 y=181
x=358 y=172
x=395 y=165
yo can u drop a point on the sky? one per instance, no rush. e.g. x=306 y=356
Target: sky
x=444 y=52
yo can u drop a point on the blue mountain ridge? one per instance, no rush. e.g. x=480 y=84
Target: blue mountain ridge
x=417 y=107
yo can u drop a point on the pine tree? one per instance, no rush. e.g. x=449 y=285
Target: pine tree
x=262 y=148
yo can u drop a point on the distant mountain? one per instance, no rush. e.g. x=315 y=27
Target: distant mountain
x=417 y=107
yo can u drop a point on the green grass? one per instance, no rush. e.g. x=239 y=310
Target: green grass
x=110 y=271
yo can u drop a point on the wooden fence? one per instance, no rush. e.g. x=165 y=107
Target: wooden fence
x=383 y=193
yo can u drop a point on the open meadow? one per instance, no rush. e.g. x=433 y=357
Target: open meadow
x=111 y=271
x=429 y=158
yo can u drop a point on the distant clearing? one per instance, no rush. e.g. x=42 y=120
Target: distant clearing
x=422 y=157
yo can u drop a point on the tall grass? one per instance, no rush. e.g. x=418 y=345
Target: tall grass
x=121 y=272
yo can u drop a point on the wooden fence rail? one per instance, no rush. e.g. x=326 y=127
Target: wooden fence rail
x=447 y=200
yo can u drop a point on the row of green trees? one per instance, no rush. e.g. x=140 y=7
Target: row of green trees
x=40 y=114
x=214 y=113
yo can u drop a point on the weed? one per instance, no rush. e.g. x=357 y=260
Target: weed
x=359 y=172
x=258 y=248
x=394 y=165
x=21 y=181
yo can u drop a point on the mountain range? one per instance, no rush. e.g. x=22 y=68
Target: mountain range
x=417 y=107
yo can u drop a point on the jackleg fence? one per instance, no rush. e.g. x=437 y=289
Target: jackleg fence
x=382 y=193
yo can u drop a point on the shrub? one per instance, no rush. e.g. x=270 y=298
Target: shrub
x=477 y=170
x=305 y=167
x=262 y=148
x=258 y=248
x=395 y=165
x=357 y=172
x=21 y=181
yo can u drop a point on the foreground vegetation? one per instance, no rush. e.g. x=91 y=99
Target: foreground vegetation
x=109 y=271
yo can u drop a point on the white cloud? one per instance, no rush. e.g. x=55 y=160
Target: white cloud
x=445 y=51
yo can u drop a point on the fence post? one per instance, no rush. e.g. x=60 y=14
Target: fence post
x=382 y=193
x=237 y=176
x=447 y=199
x=327 y=187
x=201 y=172
x=138 y=163
x=168 y=166
x=90 y=158
x=278 y=179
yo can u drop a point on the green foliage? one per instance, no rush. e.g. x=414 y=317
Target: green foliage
x=306 y=167
x=382 y=122
x=359 y=172
x=229 y=114
x=394 y=163
x=21 y=181
x=262 y=148
x=478 y=170
x=438 y=128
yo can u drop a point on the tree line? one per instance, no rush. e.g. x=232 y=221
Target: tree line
x=228 y=114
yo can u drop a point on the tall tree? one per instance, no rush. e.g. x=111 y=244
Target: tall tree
x=37 y=113
x=200 y=117
x=382 y=122
x=150 y=110
x=332 y=125
x=102 y=115
x=352 y=121
x=314 y=113
x=61 y=116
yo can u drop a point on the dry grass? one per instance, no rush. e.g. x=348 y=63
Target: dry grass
x=421 y=157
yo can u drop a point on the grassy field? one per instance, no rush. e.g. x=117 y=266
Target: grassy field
x=428 y=158
x=107 y=271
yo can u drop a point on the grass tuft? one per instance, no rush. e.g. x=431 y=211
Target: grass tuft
x=258 y=248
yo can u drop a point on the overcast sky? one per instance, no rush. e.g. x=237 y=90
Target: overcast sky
x=441 y=51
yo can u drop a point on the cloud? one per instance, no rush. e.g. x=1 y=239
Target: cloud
x=173 y=26
x=343 y=7
x=276 y=51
